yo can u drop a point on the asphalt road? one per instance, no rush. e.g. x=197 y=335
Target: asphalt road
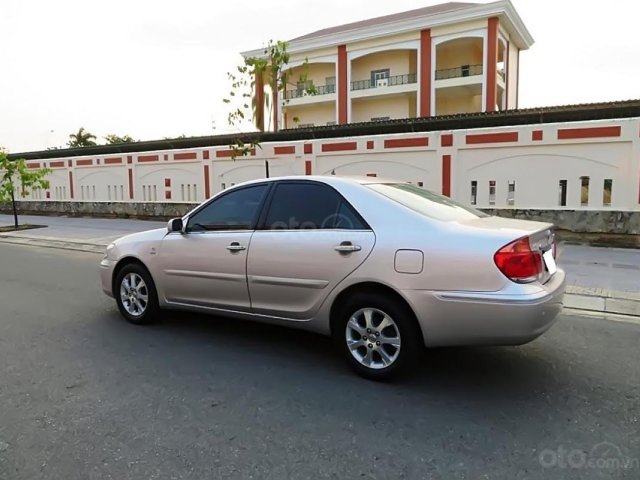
x=84 y=395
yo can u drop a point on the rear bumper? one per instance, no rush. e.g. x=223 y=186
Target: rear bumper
x=488 y=318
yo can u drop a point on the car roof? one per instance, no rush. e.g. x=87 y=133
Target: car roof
x=334 y=180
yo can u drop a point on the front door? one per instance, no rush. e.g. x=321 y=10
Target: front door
x=310 y=240
x=206 y=264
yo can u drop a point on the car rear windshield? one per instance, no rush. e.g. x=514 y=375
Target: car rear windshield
x=426 y=203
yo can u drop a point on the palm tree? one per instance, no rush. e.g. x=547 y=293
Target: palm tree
x=82 y=139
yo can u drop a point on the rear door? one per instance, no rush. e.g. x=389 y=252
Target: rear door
x=309 y=239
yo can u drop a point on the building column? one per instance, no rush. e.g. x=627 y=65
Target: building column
x=259 y=86
x=276 y=112
x=425 y=73
x=343 y=87
x=491 y=64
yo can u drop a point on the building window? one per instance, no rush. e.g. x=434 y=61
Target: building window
x=330 y=82
x=511 y=193
x=606 y=194
x=492 y=192
x=380 y=78
x=474 y=192
x=465 y=70
x=584 y=191
x=562 y=193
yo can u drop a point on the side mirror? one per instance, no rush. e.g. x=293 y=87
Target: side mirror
x=175 y=225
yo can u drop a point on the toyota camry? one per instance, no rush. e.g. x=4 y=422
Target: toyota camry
x=384 y=267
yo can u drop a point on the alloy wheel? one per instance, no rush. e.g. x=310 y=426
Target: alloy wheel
x=134 y=294
x=373 y=338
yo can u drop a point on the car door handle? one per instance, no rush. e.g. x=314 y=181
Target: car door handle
x=346 y=247
x=235 y=247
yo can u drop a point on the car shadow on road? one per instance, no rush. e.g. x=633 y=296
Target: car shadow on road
x=254 y=350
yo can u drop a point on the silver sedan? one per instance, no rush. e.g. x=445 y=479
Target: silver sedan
x=384 y=267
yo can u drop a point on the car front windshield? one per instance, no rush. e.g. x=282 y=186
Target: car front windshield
x=426 y=203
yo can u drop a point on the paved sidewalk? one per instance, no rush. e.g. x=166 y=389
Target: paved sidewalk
x=598 y=279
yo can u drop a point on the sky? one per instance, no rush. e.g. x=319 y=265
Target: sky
x=156 y=69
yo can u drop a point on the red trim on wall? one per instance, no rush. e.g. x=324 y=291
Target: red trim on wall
x=446 y=140
x=84 y=163
x=57 y=164
x=167 y=182
x=425 y=73
x=492 y=138
x=112 y=160
x=369 y=144
x=207 y=187
x=537 y=135
x=307 y=167
x=48 y=195
x=205 y=154
x=308 y=148
x=229 y=153
x=492 y=64
x=185 y=156
x=342 y=85
x=129 y=159
x=407 y=142
x=130 y=171
x=167 y=195
x=148 y=158
x=224 y=153
x=71 y=185
x=98 y=161
x=33 y=165
x=590 y=132
x=339 y=147
x=286 y=150
x=166 y=157
x=70 y=163
x=446 y=175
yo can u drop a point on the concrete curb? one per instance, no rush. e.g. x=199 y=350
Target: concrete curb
x=53 y=243
x=601 y=300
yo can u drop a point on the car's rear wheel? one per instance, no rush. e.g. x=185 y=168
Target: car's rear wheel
x=378 y=335
x=136 y=295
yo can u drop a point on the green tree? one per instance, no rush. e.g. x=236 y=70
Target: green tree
x=113 y=139
x=16 y=174
x=270 y=69
x=82 y=138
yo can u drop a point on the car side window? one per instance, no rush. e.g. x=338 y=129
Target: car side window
x=305 y=205
x=236 y=210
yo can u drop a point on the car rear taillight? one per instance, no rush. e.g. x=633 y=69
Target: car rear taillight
x=519 y=262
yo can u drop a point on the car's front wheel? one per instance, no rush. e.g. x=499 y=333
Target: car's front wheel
x=136 y=295
x=378 y=335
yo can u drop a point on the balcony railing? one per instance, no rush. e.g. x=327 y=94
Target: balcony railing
x=319 y=90
x=462 y=71
x=385 y=82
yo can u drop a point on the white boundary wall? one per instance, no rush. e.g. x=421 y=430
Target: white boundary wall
x=535 y=157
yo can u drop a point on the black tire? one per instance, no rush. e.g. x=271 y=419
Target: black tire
x=411 y=341
x=151 y=310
